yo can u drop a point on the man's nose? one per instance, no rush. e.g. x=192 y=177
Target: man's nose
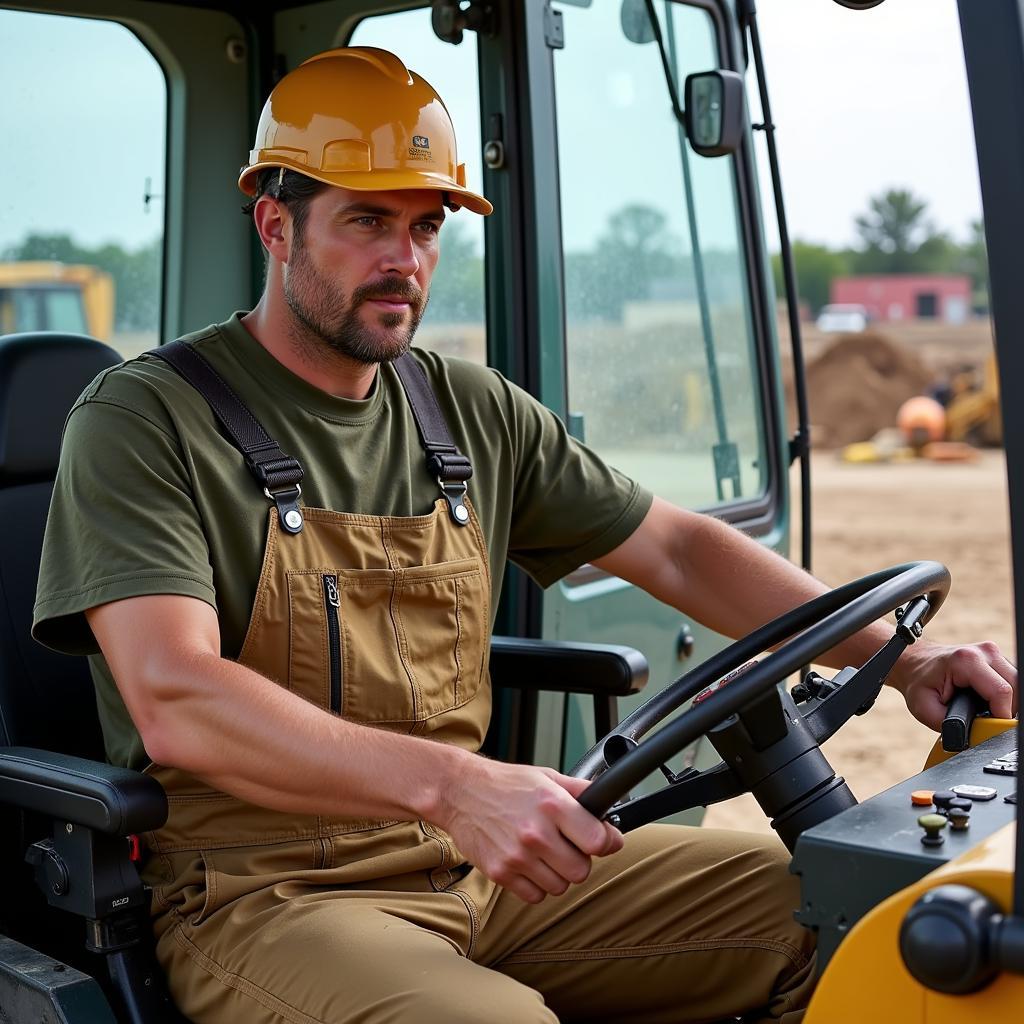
x=400 y=255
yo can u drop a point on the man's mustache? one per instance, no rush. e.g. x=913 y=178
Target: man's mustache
x=403 y=289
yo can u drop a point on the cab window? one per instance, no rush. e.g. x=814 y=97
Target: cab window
x=454 y=322
x=662 y=358
x=81 y=211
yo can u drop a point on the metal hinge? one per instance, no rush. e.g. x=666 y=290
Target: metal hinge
x=798 y=446
x=554 y=31
x=450 y=19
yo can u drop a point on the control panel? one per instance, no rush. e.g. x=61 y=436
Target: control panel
x=863 y=855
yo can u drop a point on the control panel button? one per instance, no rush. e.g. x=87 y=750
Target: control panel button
x=975 y=792
x=933 y=824
x=1005 y=765
x=921 y=798
x=959 y=819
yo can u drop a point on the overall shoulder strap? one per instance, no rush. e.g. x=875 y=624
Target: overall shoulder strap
x=275 y=471
x=445 y=462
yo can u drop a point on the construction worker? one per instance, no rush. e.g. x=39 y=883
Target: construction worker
x=282 y=544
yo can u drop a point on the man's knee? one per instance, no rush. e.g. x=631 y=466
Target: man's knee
x=493 y=998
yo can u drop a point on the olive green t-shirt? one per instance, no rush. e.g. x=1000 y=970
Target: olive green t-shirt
x=152 y=498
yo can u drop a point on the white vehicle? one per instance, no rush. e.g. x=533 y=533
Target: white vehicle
x=845 y=318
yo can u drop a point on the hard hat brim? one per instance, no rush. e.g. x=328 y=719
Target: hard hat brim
x=374 y=181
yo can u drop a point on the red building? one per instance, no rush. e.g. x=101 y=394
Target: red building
x=944 y=297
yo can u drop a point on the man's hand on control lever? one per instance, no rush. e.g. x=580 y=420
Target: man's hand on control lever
x=523 y=827
x=928 y=674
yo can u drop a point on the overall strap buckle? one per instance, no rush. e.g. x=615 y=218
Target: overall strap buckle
x=288 y=510
x=448 y=465
x=455 y=493
x=445 y=462
x=280 y=475
x=275 y=471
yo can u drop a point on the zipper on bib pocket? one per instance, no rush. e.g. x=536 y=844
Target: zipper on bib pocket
x=332 y=602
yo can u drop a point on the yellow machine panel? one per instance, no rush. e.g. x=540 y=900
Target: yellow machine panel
x=867 y=980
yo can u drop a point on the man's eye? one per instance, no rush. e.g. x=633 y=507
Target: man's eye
x=367 y=221
x=430 y=227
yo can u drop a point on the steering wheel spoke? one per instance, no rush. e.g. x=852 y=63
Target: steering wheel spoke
x=690 y=789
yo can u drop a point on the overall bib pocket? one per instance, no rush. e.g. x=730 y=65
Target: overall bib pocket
x=392 y=647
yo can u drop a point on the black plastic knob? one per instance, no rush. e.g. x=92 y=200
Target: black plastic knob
x=959 y=820
x=946 y=939
x=49 y=865
x=943 y=798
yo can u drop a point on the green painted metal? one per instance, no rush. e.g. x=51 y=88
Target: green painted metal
x=543 y=233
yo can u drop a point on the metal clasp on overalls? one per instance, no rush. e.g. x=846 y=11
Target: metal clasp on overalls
x=454 y=492
x=288 y=510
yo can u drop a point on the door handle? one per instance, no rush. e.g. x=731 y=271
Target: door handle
x=684 y=643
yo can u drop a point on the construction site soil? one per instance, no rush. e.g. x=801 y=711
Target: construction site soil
x=866 y=517
x=857 y=382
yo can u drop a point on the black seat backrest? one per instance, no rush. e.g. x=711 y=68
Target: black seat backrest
x=46 y=699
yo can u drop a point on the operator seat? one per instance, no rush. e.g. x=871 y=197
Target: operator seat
x=46 y=699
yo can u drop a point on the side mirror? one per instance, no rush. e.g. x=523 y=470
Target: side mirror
x=715 y=112
x=636 y=22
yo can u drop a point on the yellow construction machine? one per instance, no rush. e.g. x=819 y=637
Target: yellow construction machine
x=40 y=295
x=973 y=413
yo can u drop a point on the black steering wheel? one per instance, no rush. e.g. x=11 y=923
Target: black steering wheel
x=768 y=739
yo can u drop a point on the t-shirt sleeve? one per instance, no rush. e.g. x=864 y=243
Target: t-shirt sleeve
x=570 y=506
x=122 y=523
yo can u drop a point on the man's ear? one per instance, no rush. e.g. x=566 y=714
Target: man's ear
x=274 y=225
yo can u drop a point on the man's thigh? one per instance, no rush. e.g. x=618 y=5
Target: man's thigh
x=681 y=925
x=337 y=958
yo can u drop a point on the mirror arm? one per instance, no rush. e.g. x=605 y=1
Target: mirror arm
x=677 y=110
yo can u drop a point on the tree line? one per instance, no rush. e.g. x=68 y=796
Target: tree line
x=896 y=237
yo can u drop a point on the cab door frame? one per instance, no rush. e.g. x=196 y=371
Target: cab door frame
x=562 y=733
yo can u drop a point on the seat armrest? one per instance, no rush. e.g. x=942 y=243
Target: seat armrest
x=601 y=669
x=116 y=801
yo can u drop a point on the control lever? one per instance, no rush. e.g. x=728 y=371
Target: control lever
x=965 y=706
x=858 y=691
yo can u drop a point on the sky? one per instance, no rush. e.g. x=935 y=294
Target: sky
x=78 y=146
x=867 y=100
x=863 y=101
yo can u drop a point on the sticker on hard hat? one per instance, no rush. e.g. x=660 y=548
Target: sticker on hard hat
x=421 y=141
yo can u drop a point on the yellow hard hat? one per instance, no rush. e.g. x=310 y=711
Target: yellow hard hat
x=358 y=118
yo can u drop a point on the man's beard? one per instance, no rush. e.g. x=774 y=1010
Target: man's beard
x=332 y=318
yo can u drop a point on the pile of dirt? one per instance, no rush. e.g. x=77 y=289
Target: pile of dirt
x=857 y=384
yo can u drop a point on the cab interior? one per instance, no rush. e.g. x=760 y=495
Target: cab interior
x=623 y=280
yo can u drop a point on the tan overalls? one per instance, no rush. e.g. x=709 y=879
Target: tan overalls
x=263 y=916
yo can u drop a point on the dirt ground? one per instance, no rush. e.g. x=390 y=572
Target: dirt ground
x=866 y=517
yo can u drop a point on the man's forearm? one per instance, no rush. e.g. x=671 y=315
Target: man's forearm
x=249 y=737
x=724 y=579
x=761 y=586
